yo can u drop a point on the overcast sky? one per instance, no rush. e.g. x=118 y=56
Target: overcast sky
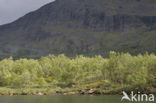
x=11 y=10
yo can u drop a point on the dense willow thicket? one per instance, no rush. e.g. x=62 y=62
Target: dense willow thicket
x=119 y=68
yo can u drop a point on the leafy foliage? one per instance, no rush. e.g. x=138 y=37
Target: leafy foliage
x=119 y=68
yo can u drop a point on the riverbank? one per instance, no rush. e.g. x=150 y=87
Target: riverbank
x=113 y=90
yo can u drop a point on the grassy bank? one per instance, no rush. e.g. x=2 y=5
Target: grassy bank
x=87 y=89
x=79 y=75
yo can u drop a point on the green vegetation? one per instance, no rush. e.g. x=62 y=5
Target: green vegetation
x=120 y=71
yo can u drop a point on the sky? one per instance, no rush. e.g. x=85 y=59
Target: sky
x=11 y=10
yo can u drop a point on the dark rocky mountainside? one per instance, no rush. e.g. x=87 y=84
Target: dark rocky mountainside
x=87 y=27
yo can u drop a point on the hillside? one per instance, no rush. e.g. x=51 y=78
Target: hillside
x=86 y=27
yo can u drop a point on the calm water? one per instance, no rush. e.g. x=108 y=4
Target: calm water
x=61 y=99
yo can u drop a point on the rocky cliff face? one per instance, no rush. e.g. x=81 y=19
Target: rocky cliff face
x=82 y=26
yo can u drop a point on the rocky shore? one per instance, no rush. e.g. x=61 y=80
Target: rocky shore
x=92 y=91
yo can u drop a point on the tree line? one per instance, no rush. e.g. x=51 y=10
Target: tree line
x=118 y=68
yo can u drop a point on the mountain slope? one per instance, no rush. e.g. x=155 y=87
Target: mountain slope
x=82 y=27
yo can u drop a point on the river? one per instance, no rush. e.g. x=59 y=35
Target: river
x=60 y=99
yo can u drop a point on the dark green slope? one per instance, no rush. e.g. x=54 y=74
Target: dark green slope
x=82 y=27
